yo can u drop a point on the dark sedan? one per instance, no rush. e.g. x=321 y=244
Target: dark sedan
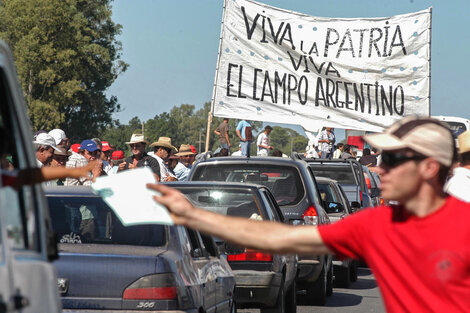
x=107 y=267
x=263 y=280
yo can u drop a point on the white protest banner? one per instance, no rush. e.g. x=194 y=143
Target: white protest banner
x=286 y=67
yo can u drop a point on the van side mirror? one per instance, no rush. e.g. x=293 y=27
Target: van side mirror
x=334 y=207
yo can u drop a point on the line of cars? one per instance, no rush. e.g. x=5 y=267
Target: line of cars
x=108 y=267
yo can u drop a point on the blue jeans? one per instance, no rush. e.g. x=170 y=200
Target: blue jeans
x=224 y=145
x=245 y=147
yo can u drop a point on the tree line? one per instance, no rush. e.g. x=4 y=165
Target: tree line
x=184 y=124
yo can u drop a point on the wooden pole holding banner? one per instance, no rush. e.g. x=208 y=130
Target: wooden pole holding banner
x=214 y=90
x=209 y=121
x=430 y=29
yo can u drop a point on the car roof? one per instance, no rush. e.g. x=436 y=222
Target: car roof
x=321 y=179
x=86 y=191
x=331 y=161
x=250 y=160
x=214 y=184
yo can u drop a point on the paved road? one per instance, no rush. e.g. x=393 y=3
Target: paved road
x=362 y=296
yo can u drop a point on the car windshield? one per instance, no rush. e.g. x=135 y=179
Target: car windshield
x=342 y=174
x=79 y=220
x=232 y=202
x=284 y=182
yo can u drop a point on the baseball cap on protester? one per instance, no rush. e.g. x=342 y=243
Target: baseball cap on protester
x=88 y=145
x=58 y=135
x=424 y=135
x=46 y=140
x=75 y=147
x=117 y=155
x=106 y=146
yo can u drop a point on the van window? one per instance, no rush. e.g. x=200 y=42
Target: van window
x=20 y=206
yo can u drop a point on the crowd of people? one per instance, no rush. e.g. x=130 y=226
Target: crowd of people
x=167 y=162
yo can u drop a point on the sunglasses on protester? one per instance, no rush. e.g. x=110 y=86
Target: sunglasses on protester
x=135 y=145
x=394 y=159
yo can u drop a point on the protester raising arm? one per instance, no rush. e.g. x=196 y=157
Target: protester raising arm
x=262 y=236
x=32 y=176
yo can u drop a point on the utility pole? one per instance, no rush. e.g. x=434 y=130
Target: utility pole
x=200 y=141
x=143 y=129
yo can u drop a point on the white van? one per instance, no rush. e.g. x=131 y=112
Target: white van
x=457 y=124
x=28 y=282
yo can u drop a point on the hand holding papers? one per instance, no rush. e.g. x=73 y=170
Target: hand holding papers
x=126 y=193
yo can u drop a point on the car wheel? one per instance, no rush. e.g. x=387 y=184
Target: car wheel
x=342 y=277
x=291 y=298
x=280 y=306
x=317 y=292
x=329 y=281
x=353 y=271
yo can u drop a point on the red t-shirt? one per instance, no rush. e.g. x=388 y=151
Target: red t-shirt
x=421 y=264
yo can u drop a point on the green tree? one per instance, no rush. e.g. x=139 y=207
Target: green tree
x=287 y=140
x=67 y=55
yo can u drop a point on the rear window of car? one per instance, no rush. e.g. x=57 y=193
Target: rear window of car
x=232 y=202
x=342 y=174
x=285 y=182
x=79 y=220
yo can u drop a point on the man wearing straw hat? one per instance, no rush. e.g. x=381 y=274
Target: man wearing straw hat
x=459 y=184
x=418 y=250
x=139 y=157
x=186 y=159
x=162 y=150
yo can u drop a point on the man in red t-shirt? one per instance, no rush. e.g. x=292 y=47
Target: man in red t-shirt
x=419 y=249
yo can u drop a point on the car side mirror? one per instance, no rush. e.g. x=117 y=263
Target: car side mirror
x=355 y=206
x=334 y=207
x=197 y=253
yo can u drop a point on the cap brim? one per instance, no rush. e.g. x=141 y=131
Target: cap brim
x=384 y=141
x=185 y=153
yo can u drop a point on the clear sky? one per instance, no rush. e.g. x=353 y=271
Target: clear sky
x=171 y=46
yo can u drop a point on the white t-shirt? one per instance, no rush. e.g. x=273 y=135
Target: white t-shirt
x=164 y=171
x=263 y=139
x=459 y=184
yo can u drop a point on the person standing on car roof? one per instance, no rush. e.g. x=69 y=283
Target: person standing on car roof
x=222 y=132
x=338 y=151
x=262 y=143
x=326 y=141
x=459 y=184
x=418 y=250
x=244 y=133
x=368 y=159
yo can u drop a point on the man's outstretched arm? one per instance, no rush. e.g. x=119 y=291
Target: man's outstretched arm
x=259 y=235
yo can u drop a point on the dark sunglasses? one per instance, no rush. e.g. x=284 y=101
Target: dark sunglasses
x=136 y=145
x=391 y=160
